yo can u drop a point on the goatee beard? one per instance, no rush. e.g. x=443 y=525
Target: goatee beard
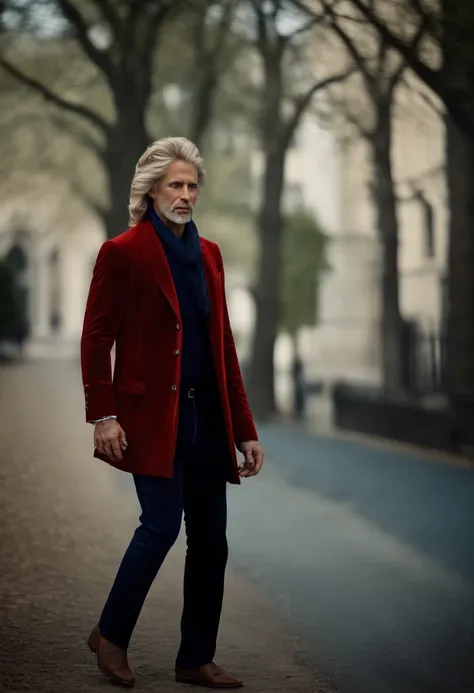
x=176 y=218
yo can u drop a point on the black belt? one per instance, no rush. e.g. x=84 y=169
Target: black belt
x=199 y=390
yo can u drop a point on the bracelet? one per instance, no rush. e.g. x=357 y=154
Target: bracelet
x=104 y=418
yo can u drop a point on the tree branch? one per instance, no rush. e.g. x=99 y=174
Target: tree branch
x=83 y=137
x=381 y=63
x=428 y=75
x=303 y=101
x=86 y=197
x=431 y=23
x=351 y=47
x=111 y=16
x=99 y=58
x=418 y=36
x=66 y=170
x=155 y=21
x=276 y=10
x=449 y=93
x=314 y=21
x=262 y=32
x=374 y=79
x=341 y=106
x=431 y=103
x=208 y=51
x=78 y=109
x=225 y=24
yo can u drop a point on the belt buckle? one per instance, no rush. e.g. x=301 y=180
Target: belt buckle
x=191 y=393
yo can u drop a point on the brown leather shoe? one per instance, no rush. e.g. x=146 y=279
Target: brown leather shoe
x=111 y=660
x=209 y=675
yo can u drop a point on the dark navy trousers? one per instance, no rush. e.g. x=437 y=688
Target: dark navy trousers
x=199 y=489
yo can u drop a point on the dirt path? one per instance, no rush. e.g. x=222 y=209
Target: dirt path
x=65 y=521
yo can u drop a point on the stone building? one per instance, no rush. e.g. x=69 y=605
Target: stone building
x=334 y=179
x=52 y=257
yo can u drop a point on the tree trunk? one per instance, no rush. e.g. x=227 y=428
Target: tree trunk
x=387 y=223
x=460 y=319
x=126 y=142
x=203 y=104
x=261 y=385
x=456 y=76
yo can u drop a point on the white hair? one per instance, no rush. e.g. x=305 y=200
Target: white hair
x=152 y=166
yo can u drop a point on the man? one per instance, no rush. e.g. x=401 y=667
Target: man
x=174 y=409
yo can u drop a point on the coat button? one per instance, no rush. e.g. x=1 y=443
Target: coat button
x=174 y=388
x=176 y=353
x=178 y=327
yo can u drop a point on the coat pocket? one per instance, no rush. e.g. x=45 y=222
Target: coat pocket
x=131 y=388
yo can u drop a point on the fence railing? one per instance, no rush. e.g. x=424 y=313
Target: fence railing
x=424 y=360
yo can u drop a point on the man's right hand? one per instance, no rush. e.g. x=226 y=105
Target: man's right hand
x=110 y=439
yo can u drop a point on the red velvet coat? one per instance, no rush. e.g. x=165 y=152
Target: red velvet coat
x=133 y=302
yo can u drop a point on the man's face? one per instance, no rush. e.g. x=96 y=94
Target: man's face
x=175 y=194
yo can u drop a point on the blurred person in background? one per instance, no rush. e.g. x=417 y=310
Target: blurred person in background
x=299 y=389
x=21 y=336
x=174 y=409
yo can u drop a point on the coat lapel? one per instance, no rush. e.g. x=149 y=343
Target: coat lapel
x=155 y=258
x=213 y=286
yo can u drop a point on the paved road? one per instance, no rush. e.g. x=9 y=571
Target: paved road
x=367 y=554
x=370 y=555
x=65 y=520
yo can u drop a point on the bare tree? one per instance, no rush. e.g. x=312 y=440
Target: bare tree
x=276 y=130
x=381 y=72
x=448 y=71
x=212 y=53
x=124 y=59
x=450 y=24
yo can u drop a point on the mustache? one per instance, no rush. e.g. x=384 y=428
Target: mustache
x=184 y=205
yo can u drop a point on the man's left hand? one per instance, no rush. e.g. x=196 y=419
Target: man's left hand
x=253 y=453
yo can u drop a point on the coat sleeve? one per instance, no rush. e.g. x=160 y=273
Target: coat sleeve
x=242 y=419
x=104 y=309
